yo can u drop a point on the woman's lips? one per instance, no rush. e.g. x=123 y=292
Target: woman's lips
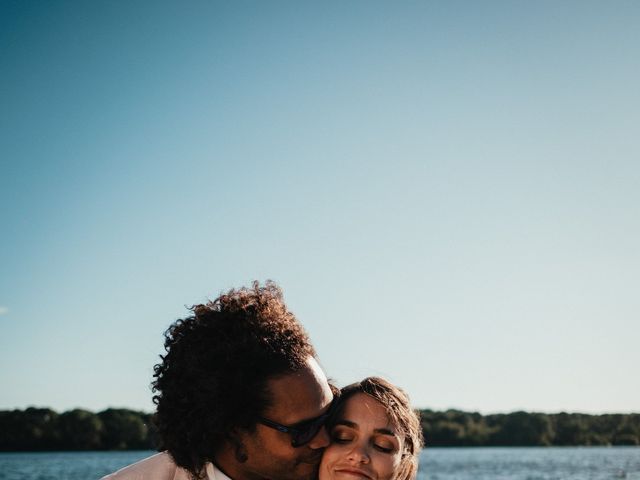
x=356 y=472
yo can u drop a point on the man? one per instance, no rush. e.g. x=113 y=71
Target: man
x=239 y=394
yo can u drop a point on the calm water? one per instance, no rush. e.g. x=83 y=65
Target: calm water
x=435 y=464
x=560 y=463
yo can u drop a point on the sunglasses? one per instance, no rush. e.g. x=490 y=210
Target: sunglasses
x=303 y=432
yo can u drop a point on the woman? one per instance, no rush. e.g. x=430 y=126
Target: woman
x=375 y=435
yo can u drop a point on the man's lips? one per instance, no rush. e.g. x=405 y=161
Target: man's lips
x=356 y=472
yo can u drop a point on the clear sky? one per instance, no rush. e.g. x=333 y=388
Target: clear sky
x=447 y=192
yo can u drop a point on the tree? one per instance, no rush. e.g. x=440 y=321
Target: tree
x=524 y=429
x=123 y=429
x=80 y=430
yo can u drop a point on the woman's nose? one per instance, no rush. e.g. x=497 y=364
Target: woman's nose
x=359 y=454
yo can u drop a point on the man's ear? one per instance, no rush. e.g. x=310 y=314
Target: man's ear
x=239 y=450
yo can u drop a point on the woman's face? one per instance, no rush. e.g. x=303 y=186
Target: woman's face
x=364 y=443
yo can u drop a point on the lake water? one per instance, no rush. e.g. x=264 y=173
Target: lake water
x=592 y=463
x=555 y=463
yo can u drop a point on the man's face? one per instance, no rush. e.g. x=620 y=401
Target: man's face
x=295 y=398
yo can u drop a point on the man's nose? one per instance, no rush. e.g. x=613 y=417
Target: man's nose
x=321 y=440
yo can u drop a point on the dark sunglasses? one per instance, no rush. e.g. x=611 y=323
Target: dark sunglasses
x=303 y=432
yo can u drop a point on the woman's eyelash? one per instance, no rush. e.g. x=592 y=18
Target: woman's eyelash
x=384 y=449
x=340 y=437
x=341 y=440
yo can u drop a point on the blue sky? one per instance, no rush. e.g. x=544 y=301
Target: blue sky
x=447 y=192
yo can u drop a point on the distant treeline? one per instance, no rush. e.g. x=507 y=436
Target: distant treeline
x=36 y=429
x=41 y=429
x=461 y=429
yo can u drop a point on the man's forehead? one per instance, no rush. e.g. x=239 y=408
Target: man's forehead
x=300 y=395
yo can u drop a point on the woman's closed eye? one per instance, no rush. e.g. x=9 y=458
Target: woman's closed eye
x=384 y=446
x=341 y=437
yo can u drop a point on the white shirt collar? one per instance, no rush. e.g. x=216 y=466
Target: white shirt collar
x=214 y=473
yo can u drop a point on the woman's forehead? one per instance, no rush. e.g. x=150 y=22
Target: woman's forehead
x=362 y=409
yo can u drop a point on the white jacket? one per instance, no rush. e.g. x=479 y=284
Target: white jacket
x=160 y=467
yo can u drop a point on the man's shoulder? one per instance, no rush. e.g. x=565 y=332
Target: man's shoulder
x=156 y=467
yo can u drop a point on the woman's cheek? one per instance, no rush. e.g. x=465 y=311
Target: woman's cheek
x=388 y=466
x=329 y=458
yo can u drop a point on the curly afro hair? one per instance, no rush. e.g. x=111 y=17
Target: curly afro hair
x=214 y=375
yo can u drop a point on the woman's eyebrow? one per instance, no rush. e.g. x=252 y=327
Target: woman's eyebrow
x=347 y=423
x=350 y=424
x=385 y=431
